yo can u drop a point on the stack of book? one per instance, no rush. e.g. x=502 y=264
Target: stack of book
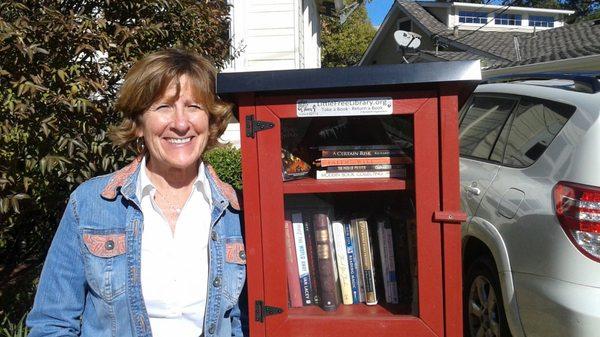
x=330 y=262
x=361 y=161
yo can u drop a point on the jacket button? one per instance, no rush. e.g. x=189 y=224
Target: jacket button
x=217 y=282
x=242 y=255
x=109 y=245
x=214 y=236
x=212 y=328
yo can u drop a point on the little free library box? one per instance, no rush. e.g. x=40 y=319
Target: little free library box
x=351 y=198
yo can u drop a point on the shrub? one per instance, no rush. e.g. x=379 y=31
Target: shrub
x=227 y=162
x=61 y=63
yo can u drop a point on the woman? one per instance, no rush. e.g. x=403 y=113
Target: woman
x=154 y=249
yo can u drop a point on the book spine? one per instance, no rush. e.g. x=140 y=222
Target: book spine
x=327 y=278
x=324 y=162
x=295 y=296
x=359 y=147
x=388 y=268
x=367 y=261
x=358 y=261
x=311 y=253
x=351 y=263
x=339 y=239
x=360 y=153
x=302 y=257
x=322 y=174
x=350 y=168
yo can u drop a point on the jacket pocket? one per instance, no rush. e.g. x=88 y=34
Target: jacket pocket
x=235 y=268
x=105 y=261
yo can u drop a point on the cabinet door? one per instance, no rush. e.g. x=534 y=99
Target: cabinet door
x=406 y=203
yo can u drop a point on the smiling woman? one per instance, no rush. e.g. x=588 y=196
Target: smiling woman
x=156 y=248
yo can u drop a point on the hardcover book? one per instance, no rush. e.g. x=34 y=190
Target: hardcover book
x=294 y=289
x=311 y=251
x=358 y=261
x=352 y=263
x=361 y=153
x=351 y=168
x=388 y=262
x=325 y=162
x=339 y=239
x=366 y=254
x=323 y=174
x=328 y=278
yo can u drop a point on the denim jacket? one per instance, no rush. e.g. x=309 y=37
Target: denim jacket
x=90 y=283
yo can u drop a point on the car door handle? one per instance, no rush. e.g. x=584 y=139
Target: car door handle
x=473 y=190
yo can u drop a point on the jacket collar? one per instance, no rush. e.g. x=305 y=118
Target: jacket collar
x=124 y=181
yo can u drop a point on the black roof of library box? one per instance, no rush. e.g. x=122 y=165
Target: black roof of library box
x=335 y=78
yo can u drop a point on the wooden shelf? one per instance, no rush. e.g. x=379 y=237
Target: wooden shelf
x=354 y=311
x=311 y=185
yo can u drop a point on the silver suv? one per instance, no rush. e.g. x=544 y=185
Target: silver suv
x=530 y=183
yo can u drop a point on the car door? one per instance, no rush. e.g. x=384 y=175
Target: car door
x=482 y=138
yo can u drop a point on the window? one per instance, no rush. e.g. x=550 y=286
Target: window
x=508 y=19
x=541 y=21
x=481 y=125
x=535 y=125
x=472 y=17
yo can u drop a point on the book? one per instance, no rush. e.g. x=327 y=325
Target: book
x=387 y=261
x=358 y=261
x=339 y=240
x=325 y=162
x=323 y=174
x=350 y=168
x=366 y=255
x=302 y=258
x=350 y=252
x=358 y=147
x=327 y=271
x=294 y=290
x=361 y=153
x=311 y=252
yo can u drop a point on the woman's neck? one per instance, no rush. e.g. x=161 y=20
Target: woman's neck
x=169 y=177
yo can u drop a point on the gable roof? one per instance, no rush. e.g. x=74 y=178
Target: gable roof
x=503 y=49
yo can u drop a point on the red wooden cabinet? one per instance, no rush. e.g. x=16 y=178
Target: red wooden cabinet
x=422 y=117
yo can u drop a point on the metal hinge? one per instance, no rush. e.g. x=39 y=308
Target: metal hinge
x=253 y=126
x=261 y=311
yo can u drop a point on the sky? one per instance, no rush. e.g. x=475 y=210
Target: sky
x=377 y=10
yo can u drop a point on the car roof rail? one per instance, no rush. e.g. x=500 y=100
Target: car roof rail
x=591 y=80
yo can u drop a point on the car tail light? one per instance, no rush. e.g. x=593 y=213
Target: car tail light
x=578 y=211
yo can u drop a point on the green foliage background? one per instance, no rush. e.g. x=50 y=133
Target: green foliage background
x=61 y=62
x=343 y=45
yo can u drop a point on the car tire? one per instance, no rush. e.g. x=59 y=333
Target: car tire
x=484 y=313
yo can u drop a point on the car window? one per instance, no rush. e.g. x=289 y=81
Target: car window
x=481 y=123
x=535 y=125
x=498 y=151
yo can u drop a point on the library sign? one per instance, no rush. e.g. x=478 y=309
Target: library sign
x=344 y=106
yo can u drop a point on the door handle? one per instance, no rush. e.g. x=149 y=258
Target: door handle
x=473 y=189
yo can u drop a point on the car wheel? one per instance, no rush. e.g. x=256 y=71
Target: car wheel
x=484 y=314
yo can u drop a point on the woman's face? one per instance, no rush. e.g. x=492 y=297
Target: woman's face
x=175 y=128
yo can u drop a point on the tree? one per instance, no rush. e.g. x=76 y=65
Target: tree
x=61 y=62
x=344 y=44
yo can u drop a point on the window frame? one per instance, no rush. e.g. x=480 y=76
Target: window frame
x=541 y=19
x=482 y=17
x=517 y=19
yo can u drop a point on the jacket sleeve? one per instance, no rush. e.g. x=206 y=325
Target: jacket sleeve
x=239 y=316
x=60 y=296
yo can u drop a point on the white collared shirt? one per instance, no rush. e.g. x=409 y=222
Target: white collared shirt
x=174 y=266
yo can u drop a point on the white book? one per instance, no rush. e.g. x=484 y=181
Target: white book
x=302 y=256
x=323 y=174
x=339 y=239
x=388 y=266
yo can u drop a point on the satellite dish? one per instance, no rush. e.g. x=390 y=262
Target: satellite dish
x=407 y=39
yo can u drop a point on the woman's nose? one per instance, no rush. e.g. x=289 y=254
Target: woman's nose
x=180 y=119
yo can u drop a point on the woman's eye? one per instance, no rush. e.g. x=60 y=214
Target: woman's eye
x=161 y=107
x=197 y=106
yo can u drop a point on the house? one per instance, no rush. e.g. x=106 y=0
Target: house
x=272 y=35
x=506 y=39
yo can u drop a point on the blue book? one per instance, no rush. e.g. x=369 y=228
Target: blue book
x=351 y=263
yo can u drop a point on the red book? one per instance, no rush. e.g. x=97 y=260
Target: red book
x=324 y=162
x=292 y=267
